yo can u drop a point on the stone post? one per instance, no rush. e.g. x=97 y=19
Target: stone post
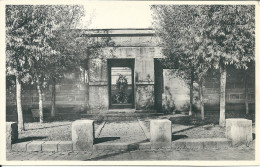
x=161 y=133
x=239 y=131
x=11 y=134
x=83 y=134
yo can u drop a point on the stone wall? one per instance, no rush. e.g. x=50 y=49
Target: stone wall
x=175 y=94
x=71 y=93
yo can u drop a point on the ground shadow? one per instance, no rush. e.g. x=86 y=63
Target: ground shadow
x=177 y=137
x=25 y=139
x=107 y=155
x=105 y=139
x=185 y=129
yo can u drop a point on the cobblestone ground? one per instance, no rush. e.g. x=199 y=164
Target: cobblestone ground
x=229 y=154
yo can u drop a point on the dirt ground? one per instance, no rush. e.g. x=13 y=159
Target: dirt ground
x=182 y=127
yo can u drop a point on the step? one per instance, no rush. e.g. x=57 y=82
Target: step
x=50 y=146
x=120 y=111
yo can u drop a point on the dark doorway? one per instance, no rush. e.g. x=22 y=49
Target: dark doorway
x=158 y=84
x=160 y=88
x=121 y=83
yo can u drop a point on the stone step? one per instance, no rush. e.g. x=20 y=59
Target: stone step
x=120 y=111
x=201 y=143
x=46 y=146
x=118 y=119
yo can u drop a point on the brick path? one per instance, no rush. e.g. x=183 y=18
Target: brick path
x=245 y=153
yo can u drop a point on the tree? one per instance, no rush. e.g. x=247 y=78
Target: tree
x=248 y=73
x=72 y=51
x=52 y=46
x=16 y=52
x=65 y=19
x=210 y=37
x=229 y=34
x=179 y=31
x=32 y=28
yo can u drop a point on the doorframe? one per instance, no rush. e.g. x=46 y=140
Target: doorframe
x=121 y=62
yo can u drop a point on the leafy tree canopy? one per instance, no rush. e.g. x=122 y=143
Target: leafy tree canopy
x=30 y=36
x=202 y=36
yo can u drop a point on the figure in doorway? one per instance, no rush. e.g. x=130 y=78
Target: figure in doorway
x=122 y=86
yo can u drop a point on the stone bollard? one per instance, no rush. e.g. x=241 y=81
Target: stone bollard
x=239 y=130
x=11 y=134
x=83 y=135
x=161 y=133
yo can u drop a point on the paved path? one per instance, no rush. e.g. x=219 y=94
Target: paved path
x=116 y=131
x=229 y=154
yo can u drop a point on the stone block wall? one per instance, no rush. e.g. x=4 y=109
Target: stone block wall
x=71 y=93
x=175 y=93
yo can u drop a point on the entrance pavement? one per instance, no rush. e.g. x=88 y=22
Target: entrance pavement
x=117 y=131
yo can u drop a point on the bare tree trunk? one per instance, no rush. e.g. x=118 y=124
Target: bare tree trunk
x=19 y=105
x=40 y=101
x=223 y=77
x=191 y=92
x=246 y=93
x=53 y=98
x=201 y=100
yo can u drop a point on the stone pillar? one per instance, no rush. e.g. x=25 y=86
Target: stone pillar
x=11 y=134
x=239 y=131
x=161 y=133
x=83 y=134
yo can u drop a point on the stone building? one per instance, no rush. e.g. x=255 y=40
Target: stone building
x=131 y=76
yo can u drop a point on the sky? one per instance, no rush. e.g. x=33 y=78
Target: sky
x=117 y=15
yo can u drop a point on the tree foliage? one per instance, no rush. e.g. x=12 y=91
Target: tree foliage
x=203 y=37
x=179 y=30
x=30 y=33
x=31 y=38
x=43 y=44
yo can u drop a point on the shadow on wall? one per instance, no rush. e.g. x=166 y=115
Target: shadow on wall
x=167 y=101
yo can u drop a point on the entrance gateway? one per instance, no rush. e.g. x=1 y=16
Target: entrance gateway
x=121 y=83
x=125 y=78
